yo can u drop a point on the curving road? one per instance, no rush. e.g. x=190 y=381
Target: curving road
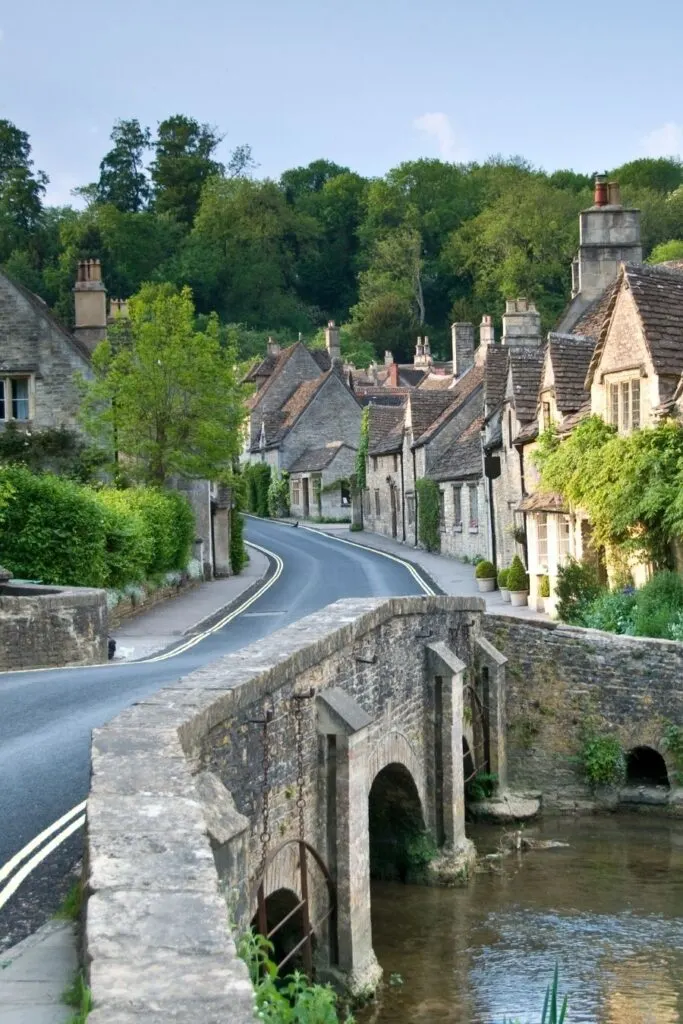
x=46 y=717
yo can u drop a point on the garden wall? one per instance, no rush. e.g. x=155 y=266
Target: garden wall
x=46 y=627
x=563 y=680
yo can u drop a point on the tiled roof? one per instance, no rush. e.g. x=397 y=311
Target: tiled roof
x=280 y=361
x=570 y=356
x=393 y=397
x=425 y=407
x=541 y=502
x=436 y=382
x=495 y=374
x=526 y=366
x=46 y=313
x=280 y=421
x=385 y=429
x=262 y=369
x=410 y=377
x=529 y=432
x=462 y=459
x=592 y=320
x=316 y=459
x=322 y=358
x=569 y=422
x=459 y=392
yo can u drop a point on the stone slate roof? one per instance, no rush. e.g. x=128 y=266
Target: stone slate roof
x=529 y=432
x=410 y=377
x=385 y=429
x=464 y=458
x=459 y=392
x=526 y=367
x=316 y=459
x=280 y=361
x=262 y=369
x=425 y=408
x=436 y=382
x=322 y=358
x=570 y=356
x=280 y=421
x=495 y=374
x=658 y=295
x=574 y=418
x=540 y=502
x=592 y=320
x=43 y=310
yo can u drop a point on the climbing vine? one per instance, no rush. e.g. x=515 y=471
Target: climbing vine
x=362 y=453
x=630 y=486
x=428 y=514
x=278 y=494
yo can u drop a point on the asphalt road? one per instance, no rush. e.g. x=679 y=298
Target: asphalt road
x=46 y=717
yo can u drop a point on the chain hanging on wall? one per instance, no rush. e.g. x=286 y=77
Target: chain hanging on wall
x=265 y=789
x=298 y=699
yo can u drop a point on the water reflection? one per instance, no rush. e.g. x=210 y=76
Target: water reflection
x=608 y=909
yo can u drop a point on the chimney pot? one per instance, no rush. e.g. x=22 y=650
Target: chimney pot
x=613 y=193
x=600 y=194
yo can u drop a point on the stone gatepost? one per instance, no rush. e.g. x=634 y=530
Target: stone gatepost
x=345 y=726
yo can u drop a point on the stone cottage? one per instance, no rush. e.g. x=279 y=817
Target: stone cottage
x=320 y=482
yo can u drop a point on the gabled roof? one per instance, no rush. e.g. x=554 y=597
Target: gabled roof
x=280 y=421
x=44 y=311
x=436 y=382
x=526 y=367
x=385 y=429
x=570 y=356
x=408 y=376
x=592 y=320
x=459 y=393
x=322 y=358
x=495 y=374
x=463 y=458
x=658 y=296
x=262 y=369
x=316 y=459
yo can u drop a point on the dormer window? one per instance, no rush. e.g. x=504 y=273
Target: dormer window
x=624 y=405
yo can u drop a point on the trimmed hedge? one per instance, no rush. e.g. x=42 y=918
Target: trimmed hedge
x=428 y=514
x=518 y=580
x=257 y=479
x=63 y=533
x=485 y=570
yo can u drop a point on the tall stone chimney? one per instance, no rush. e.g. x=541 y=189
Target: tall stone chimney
x=487 y=337
x=90 y=302
x=332 y=342
x=273 y=347
x=423 y=353
x=609 y=234
x=462 y=339
x=521 y=323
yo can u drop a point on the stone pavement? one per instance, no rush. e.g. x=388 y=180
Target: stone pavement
x=167 y=622
x=454 y=577
x=35 y=973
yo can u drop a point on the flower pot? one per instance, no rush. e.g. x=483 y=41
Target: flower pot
x=487 y=585
x=549 y=606
x=505 y=594
x=518 y=598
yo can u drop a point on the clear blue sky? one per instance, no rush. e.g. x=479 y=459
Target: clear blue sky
x=367 y=83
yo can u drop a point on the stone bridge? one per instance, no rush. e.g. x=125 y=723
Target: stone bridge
x=201 y=793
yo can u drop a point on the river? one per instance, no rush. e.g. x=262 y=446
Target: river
x=608 y=910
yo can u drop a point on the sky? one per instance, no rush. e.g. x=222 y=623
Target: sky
x=366 y=83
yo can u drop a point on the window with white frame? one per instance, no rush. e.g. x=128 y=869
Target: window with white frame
x=623 y=408
x=15 y=398
x=564 y=539
x=542 y=538
x=474 y=506
x=296 y=492
x=457 y=506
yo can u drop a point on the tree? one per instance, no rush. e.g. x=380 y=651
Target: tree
x=671 y=250
x=661 y=174
x=165 y=395
x=21 y=190
x=123 y=181
x=183 y=163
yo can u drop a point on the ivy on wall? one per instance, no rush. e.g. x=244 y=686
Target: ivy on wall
x=428 y=514
x=362 y=453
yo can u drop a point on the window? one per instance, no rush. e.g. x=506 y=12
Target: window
x=624 y=405
x=635 y=404
x=441 y=507
x=15 y=398
x=410 y=508
x=614 y=404
x=377 y=504
x=395 y=463
x=565 y=531
x=366 y=502
x=474 y=507
x=542 y=538
x=296 y=492
x=374 y=463
x=545 y=416
x=457 y=506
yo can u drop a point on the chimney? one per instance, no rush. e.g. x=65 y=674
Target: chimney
x=613 y=193
x=609 y=235
x=332 y=342
x=487 y=336
x=462 y=338
x=600 y=191
x=90 y=304
x=521 y=323
x=422 y=353
x=388 y=357
x=273 y=347
x=118 y=310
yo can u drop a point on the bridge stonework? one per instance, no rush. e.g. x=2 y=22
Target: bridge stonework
x=175 y=815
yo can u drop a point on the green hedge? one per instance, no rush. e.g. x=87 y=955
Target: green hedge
x=257 y=481
x=60 y=532
x=428 y=514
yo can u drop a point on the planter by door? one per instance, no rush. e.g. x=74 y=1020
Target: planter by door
x=518 y=598
x=505 y=594
x=487 y=585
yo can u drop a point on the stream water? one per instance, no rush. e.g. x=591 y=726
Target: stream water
x=608 y=910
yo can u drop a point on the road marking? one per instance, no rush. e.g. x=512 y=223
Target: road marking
x=24 y=872
x=385 y=554
x=14 y=862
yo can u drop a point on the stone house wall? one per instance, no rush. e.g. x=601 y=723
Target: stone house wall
x=33 y=345
x=49 y=627
x=332 y=415
x=562 y=680
x=331 y=506
x=465 y=540
x=507 y=493
x=383 y=473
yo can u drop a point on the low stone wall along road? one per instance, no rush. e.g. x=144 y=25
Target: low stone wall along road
x=46 y=717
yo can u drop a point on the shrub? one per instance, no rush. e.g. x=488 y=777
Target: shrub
x=428 y=514
x=53 y=530
x=603 y=760
x=577 y=586
x=658 y=605
x=611 y=610
x=238 y=552
x=257 y=477
x=544 y=586
x=503 y=579
x=278 y=494
x=170 y=521
x=129 y=543
x=517 y=577
x=485 y=570
x=53 y=450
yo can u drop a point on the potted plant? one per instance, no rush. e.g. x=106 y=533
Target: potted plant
x=503 y=585
x=518 y=583
x=485 y=573
x=544 y=592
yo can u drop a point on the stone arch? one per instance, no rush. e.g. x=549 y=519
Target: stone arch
x=396 y=826
x=395 y=748
x=279 y=904
x=645 y=766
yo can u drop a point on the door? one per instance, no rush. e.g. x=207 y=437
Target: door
x=306 y=497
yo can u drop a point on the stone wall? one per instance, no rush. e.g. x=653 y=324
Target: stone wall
x=46 y=627
x=562 y=679
x=179 y=777
x=333 y=415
